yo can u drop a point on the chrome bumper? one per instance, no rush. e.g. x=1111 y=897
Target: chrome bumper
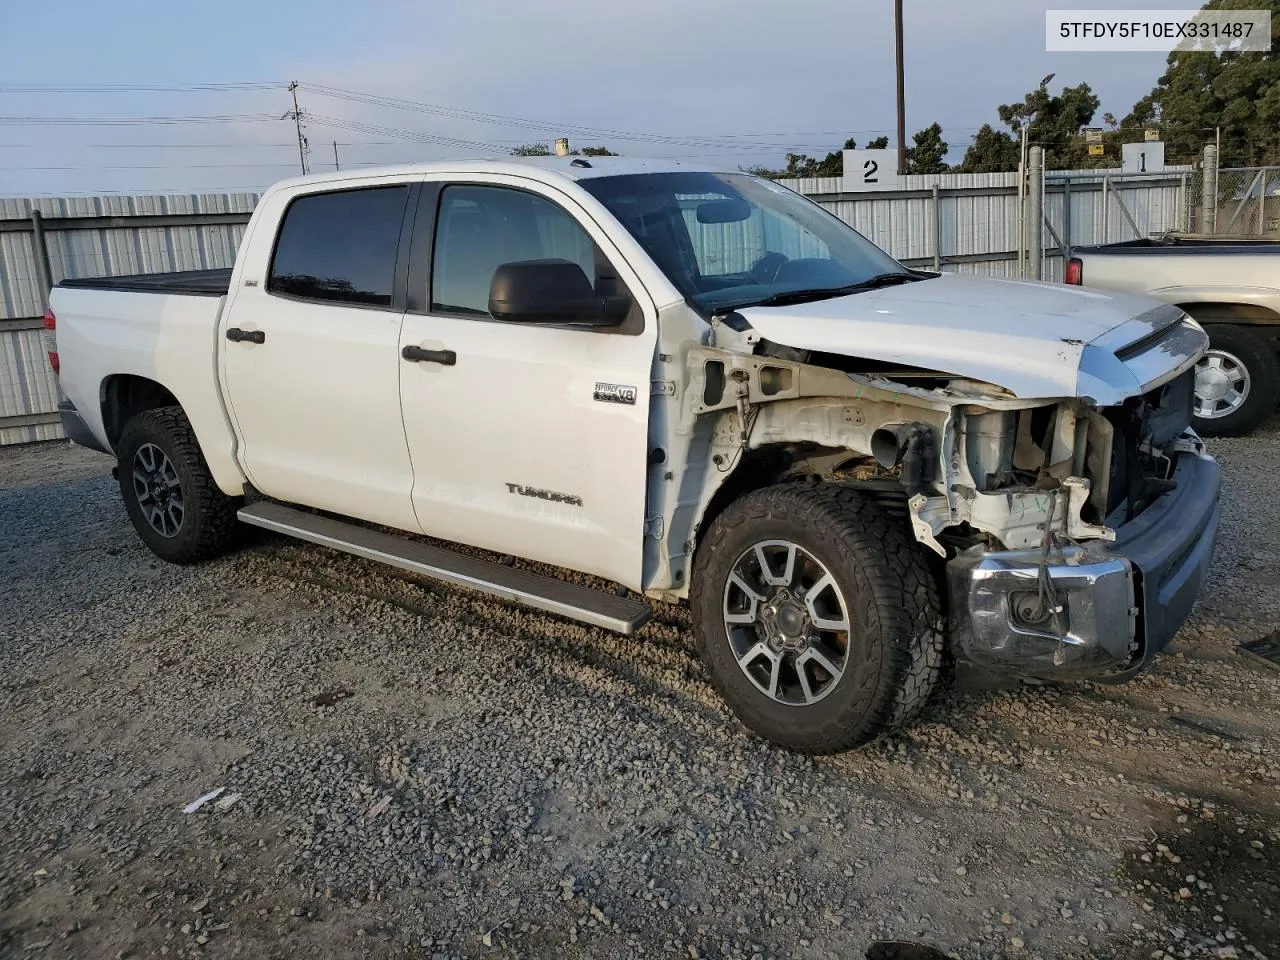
x=1121 y=602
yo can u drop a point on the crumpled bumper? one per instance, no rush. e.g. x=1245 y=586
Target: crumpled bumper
x=1121 y=602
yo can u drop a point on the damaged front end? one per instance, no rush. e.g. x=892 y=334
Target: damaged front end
x=1075 y=536
x=1124 y=544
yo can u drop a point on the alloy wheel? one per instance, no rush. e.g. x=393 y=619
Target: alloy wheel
x=787 y=622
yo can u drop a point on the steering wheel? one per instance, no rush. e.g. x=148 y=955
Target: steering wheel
x=767 y=268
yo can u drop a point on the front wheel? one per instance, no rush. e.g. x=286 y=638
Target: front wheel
x=1237 y=381
x=168 y=491
x=816 y=616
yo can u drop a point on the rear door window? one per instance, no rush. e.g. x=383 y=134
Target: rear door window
x=340 y=246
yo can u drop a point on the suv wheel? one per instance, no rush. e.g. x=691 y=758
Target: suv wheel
x=1237 y=381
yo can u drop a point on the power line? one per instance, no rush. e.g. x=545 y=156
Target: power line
x=576 y=129
x=757 y=148
x=735 y=140
x=34 y=121
x=139 y=88
x=156 y=166
x=410 y=135
x=172 y=146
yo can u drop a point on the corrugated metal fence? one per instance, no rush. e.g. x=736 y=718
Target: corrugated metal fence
x=91 y=237
x=964 y=222
x=971 y=223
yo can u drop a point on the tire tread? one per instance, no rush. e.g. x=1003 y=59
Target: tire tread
x=893 y=580
x=212 y=510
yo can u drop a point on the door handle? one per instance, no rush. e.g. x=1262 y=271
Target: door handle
x=419 y=355
x=236 y=335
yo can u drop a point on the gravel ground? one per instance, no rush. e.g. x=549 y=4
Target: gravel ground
x=413 y=771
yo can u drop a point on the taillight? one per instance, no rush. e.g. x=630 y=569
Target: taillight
x=1074 y=274
x=50 y=339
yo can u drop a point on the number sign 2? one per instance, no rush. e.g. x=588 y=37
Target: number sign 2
x=871 y=170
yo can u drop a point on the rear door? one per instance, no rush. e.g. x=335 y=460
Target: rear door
x=526 y=439
x=309 y=357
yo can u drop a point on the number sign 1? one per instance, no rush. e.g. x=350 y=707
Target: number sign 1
x=1145 y=157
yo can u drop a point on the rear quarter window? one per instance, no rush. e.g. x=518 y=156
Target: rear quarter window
x=340 y=246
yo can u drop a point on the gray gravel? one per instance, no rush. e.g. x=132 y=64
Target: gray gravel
x=423 y=772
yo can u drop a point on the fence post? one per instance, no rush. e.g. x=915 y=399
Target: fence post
x=937 y=229
x=1106 y=209
x=1035 y=213
x=1184 y=203
x=1210 y=198
x=40 y=250
x=1066 y=219
x=1262 y=203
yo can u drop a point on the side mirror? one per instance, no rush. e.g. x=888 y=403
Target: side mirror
x=551 y=291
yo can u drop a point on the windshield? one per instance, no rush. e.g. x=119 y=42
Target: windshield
x=733 y=240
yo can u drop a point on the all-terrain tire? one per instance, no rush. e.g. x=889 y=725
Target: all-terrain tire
x=895 y=644
x=206 y=524
x=1251 y=349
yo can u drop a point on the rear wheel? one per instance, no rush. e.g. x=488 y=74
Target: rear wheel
x=169 y=494
x=816 y=617
x=1237 y=381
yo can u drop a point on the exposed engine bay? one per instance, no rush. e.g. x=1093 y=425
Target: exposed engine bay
x=973 y=464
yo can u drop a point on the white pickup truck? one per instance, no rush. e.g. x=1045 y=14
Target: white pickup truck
x=692 y=386
x=1230 y=286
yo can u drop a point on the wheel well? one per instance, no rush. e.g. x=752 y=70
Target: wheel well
x=758 y=468
x=124 y=396
x=794 y=463
x=1245 y=314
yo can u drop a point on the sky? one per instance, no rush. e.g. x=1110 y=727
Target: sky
x=727 y=82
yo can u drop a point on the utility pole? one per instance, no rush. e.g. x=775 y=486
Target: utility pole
x=1022 y=198
x=296 y=115
x=902 y=90
x=1035 y=213
x=335 y=156
x=1022 y=184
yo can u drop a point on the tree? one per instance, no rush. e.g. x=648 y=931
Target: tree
x=1053 y=122
x=832 y=165
x=542 y=150
x=992 y=151
x=929 y=150
x=1201 y=90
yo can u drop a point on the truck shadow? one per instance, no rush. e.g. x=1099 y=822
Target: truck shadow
x=1212 y=874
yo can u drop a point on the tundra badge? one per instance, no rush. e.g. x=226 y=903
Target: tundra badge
x=568 y=498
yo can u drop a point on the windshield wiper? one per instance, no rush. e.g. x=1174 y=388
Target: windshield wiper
x=826 y=293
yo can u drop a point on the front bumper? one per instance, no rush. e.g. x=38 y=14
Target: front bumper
x=1122 y=602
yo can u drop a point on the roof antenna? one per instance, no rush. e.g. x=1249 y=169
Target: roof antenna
x=579 y=162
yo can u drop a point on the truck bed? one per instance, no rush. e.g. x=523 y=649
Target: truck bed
x=1194 y=245
x=197 y=283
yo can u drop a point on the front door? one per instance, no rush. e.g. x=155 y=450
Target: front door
x=311 y=362
x=526 y=439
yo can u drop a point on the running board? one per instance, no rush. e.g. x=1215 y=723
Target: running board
x=570 y=600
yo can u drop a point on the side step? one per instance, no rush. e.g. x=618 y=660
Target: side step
x=570 y=600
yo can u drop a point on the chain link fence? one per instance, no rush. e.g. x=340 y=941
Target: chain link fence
x=1248 y=203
